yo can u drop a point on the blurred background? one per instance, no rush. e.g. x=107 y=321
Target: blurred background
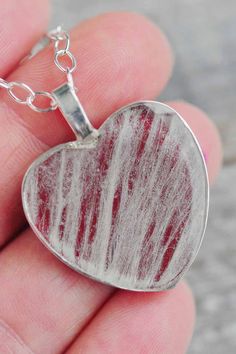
x=203 y=36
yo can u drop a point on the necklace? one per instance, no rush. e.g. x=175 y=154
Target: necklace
x=125 y=204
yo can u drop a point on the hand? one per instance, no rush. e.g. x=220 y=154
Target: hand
x=45 y=307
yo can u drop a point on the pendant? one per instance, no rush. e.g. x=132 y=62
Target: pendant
x=126 y=204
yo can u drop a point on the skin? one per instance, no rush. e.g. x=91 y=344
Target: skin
x=44 y=306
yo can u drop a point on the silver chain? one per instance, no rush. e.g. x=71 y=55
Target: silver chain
x=61 y=42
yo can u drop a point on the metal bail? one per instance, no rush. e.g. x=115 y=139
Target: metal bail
x=72 y=110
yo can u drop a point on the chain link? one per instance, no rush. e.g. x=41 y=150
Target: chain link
x=66 y=41
x=63 y=59
x=14 y=84
x=4 y=84
x=61 y=66
x=51 y=107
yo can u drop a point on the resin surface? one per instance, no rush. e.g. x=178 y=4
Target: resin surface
x=128 y=209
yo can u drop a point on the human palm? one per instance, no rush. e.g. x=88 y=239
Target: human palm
x=45 y=307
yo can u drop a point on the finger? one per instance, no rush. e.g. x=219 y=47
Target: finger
x=140 y=323
x=122 y=57
x=206 y=133
x=43 y=302
x=20 y=25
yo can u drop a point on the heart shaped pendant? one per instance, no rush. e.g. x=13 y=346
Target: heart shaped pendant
x=128 y=206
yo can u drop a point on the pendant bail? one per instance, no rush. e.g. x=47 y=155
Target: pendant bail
x=72 y=110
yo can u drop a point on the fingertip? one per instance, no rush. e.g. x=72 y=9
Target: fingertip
x=206 y=133
x=141 y=27
x=171 y=318
x=132 y=322
x=184 y=309
x=168 y=318
x=29 y=24
x=184 y=304
x=133 y=56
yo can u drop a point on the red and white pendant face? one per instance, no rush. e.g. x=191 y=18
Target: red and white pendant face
x=128 y=209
